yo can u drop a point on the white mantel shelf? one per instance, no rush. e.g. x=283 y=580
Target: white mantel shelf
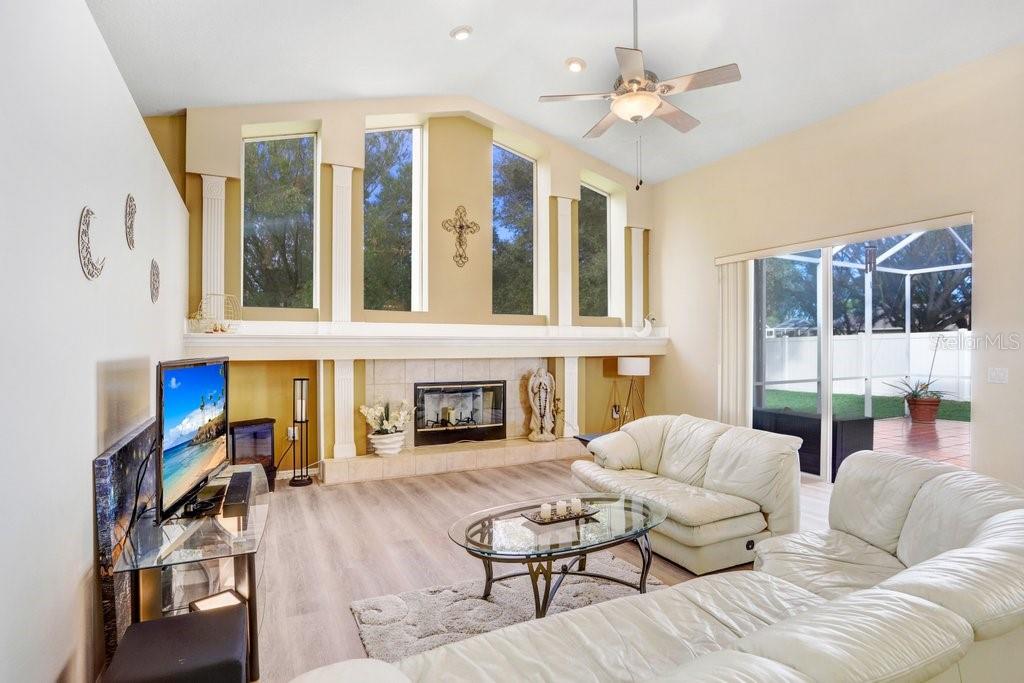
x=358 y=340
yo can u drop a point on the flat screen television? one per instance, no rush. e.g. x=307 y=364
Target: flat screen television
x=192 y=414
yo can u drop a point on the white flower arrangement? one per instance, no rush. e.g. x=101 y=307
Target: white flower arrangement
x=383 y=420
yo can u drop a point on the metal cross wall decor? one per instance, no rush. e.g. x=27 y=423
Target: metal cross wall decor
x=461 y=226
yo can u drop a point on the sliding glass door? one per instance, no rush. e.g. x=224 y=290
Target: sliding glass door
x=899 y=314
x=787 y=349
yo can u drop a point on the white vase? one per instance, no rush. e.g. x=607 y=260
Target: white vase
x=386 y=445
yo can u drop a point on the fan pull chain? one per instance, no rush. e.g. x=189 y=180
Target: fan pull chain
x=639 y=163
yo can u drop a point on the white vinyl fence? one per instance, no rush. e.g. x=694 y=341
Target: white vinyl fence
x=893 y=356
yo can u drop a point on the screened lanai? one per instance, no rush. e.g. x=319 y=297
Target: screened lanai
x=901 y=312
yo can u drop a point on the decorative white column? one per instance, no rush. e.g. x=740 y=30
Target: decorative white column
x=566 y=305
x=571 y=399
x=341 y=245
x=344 y=407
x=638 y=277
x=542 y=260
x=213 y=241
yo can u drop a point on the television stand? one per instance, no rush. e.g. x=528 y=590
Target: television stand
x=184 y=540
x=206 y=502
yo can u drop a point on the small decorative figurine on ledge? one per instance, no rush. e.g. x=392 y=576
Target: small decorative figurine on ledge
x=541 y=389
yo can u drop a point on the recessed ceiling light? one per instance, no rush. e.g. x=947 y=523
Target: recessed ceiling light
x=575 y=64
x=460 y=32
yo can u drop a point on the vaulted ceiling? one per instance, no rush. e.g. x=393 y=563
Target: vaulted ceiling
x=801 y=60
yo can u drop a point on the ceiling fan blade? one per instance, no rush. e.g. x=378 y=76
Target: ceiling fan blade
x=702 y=79
x=676 y=117
x=601 y=126
x=631 y=64
x=582 y=96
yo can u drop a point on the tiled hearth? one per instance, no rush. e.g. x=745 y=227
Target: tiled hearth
x=452 y=458
x=393 y=380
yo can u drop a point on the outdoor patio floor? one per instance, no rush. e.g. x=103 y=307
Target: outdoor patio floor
x=946 y=441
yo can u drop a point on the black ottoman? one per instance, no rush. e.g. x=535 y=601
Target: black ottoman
x=207 y=647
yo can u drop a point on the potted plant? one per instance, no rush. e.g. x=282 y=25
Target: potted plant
x=922 y=401
x=387 y=427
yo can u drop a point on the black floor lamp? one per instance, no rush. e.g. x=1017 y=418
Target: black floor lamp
x=300 y=425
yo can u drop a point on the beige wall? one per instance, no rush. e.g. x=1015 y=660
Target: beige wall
x=169 y=135
x=948 y=145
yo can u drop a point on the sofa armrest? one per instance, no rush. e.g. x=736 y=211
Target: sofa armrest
x=616 y=451
x=354 y=670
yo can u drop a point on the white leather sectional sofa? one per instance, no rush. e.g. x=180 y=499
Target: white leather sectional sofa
x=725 y=487
x=920 y=578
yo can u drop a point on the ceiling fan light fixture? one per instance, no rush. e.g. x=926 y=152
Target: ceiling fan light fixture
x=635 y=106
x=460 y=32
x=575 y=64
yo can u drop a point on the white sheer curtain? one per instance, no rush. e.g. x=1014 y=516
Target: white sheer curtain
x=735 y=359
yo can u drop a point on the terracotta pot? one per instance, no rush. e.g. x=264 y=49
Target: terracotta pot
x=923 y=409
x=387 y=445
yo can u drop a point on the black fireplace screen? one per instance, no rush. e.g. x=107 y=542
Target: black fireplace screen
x=447 y=412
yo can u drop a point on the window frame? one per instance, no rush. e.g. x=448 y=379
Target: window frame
x=316 y=220
x=608 y=254
x=417 y=205
x=536 y=256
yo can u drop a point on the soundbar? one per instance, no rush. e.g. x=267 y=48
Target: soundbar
x=236 y=498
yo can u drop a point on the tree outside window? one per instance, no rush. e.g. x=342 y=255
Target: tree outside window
x=593 y=252
x=279 y=236
x=512 y=251
x=387 y=220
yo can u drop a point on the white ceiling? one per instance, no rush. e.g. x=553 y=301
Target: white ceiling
x=802 y=60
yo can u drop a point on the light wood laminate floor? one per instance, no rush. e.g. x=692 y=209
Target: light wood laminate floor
x=330 y=545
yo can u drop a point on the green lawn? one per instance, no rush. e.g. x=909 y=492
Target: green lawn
x=852 y=405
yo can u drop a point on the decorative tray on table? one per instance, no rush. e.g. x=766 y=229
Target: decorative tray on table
x=534 y=515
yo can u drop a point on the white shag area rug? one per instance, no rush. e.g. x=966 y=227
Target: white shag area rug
x=396 y=626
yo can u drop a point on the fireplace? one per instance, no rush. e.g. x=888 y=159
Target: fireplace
x=449 y=412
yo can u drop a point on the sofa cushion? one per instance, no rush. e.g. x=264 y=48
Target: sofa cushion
x=631 y=638
x=713 y=532
x=949 y=510
x=762 y=467
x=870 y=635
x=830 y=563
x=729 y=666
x=1004 y=532
x=746 y=601
x=873 y=494
x=688 y=443
x=649 y=435
x=984 y=586
x=615 y=451
x=689 y=505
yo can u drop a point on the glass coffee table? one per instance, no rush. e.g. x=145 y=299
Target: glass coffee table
x=553 y=551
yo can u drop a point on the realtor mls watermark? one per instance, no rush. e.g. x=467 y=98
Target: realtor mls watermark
x=968 y=341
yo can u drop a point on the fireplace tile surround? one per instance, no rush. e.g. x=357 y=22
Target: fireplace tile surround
x=393 y=381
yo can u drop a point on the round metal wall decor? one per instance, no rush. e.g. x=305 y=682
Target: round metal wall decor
x=154 y=281
x=129 y=221
x=90 y=268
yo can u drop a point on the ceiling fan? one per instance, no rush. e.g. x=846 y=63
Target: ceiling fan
x=638 y=94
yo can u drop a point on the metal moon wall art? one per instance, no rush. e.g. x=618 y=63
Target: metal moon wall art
x=461 y=226
x=90 y=268
x=154 y=281
x=129 y=221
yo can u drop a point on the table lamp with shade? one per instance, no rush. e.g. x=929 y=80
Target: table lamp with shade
x=633 y=367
